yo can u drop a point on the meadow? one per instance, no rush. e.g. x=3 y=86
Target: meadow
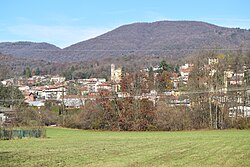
x=69 y=147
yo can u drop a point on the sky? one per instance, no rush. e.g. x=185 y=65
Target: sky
x=65 y=22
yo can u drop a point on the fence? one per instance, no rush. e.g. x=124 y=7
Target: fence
x=7 y=134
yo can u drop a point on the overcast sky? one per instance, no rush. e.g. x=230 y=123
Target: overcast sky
x=65 y=22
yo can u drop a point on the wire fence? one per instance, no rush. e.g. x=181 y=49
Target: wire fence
x=7 y=134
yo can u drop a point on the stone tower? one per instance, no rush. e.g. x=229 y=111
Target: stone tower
x=116 y=74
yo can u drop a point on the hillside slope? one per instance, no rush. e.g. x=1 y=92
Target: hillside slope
x=175 y=38
x=163 y=38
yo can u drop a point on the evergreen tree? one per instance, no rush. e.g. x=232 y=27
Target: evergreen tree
x=165 y=67
x=28 y=72
x=37 y=72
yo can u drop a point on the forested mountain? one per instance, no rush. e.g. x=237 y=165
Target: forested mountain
x=31 y=50
x=169 y=38
x=163 y=38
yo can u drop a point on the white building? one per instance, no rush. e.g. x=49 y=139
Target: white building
x=185 y=70
x=57 y=79
x=36 y=103
x=8 y=82
x=53 y=92
x=213 y=61
x=74 y=101
x=242 y=111
x=24 y=88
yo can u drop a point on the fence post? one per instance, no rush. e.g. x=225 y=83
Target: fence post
x=21 y=134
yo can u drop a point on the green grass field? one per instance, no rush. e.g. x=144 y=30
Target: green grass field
x=66 y=147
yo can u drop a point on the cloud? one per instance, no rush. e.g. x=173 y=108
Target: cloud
x=61 y=36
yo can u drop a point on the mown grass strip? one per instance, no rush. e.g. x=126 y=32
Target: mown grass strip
x=69 y=147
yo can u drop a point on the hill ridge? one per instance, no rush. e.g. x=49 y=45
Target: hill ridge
x=168 y=38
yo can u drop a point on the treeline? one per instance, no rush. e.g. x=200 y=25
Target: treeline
x=138 y=115
x=126 y=115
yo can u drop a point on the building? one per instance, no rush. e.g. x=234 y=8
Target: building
x=116 y=74
x=53 y=92
x=36 y=103
x=211 y=65
x=57 y=79
x=185 y=70
x=104 y=86
x=240 y=111
x=237 y=79
x=8 y=82
x=213 y=61
x=73 y=101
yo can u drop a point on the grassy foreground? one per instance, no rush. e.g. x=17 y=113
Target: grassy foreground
x=67 y=147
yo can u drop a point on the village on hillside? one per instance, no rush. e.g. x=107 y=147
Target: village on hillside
x=73 y=94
